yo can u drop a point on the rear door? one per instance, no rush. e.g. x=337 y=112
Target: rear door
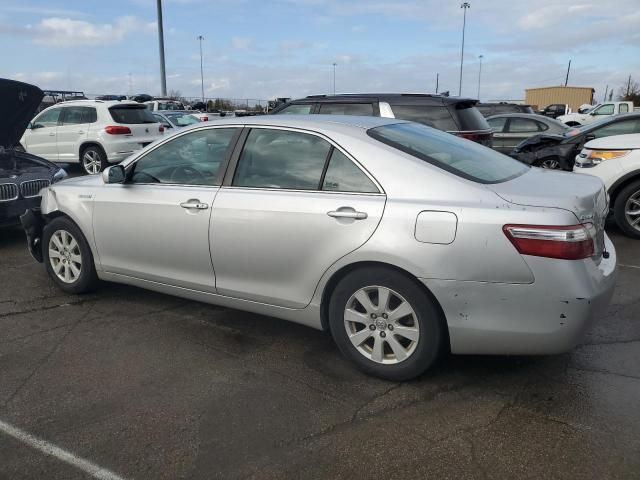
x=516 y=130
x=291 y=207
x=73 y=129
x=41 y=138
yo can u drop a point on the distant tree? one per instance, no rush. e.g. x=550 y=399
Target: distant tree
x=175 y=94
x=630 y=92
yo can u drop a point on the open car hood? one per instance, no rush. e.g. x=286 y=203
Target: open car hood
x=18 y=104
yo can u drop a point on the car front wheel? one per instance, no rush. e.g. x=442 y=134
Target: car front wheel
x=385 y=323
x=552 y=163
x=67 y=256
x=626 y=210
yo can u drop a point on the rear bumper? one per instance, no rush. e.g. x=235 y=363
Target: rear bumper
x=33 y=223
x=548 y=316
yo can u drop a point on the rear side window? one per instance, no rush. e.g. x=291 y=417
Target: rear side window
x=78 y=115
x=132 y=114
x=436 y=117
x=281 y=159
x=363 y=109
x=344 y=176
x=296 y=109
x=463 y=158
x=522 y=125
x=618 y=128
x=624 y=108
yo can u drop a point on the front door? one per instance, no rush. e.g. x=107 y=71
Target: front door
x=41 y=138
x=295 y=205
x=156 y=225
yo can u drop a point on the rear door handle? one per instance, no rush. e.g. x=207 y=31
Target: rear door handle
x=194 y=205
x=347 y=214
x=52 y=134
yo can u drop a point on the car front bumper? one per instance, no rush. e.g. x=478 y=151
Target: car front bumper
x=33 y=223
x=11 y=211
x=549 y=316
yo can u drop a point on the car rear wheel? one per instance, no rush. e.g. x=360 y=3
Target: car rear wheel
x=552 y=163
x=93 y=160
x=385 y=323
x=67 y=256
x=626 y=210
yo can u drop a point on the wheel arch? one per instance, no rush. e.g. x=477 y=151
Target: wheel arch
x=620 y=184
x=89 y=143
x=343 y=271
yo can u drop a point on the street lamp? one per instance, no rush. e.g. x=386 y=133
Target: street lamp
x=480 y=57
x=334 y=77
x=464 y=7
x=200 y=38
x=163 y=76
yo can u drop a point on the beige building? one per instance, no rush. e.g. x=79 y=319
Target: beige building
x=573 y=96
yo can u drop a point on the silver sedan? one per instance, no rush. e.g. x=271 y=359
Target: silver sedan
x=404 y=242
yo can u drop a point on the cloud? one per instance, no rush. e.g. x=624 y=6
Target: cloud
x=66 y=32
x=241 y=43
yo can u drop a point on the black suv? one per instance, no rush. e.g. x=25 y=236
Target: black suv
x=490 y=109
x=454 y=115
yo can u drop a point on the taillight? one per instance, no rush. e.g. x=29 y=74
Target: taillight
x=161 y=129
x=117 y=130
x=572 y=242
x=204 y=119
x=483 y=138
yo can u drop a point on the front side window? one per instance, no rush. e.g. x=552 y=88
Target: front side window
x=131 y=114
x=344 y=176
x=191 y=159
x=604 y=110
x=497 y=124
x=296 y=109
x=463 y=158
x=48 y=118
x=281 y=159
x=522 y=125
x=363 y=109
x=436 y=117
x=618 y=128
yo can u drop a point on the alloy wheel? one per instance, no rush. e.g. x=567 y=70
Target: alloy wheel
x=65 y=256
x=91 y=162
x=632 y=210
x=550 y=163
x=381 y=325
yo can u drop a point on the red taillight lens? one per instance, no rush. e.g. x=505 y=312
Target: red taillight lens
x=117 y=130
x=572 y=242
x=161 y=129
x=204 y=119
x=483 y=138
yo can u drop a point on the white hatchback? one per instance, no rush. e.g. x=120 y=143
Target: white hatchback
x=93 y=133
x=616 y=161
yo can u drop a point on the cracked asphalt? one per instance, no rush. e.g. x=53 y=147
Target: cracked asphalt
x=155 y=387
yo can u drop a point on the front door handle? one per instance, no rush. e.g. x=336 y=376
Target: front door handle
x=347 y=213
x=52 y=134
x=194 y=204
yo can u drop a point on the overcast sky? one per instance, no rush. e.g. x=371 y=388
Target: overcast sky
x=271 y=48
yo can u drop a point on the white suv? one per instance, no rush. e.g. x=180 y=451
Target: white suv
x=93 y=133
x=616 y=161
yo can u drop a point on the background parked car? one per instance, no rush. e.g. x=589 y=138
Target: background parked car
x=559 y=151
x=555 y=110
x=596 y=113
x=512 y=128
x=454 y=115
x=491 y=109
x=170 y=119
x=616 y=160
x=93 y=133
x=22 y=175
x=164 y=104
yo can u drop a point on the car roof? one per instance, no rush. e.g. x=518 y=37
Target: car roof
x=308 y=121
x=107 y=103
x=616 y=142
x=411 y=97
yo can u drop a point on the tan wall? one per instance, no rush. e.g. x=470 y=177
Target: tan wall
x=573 y=96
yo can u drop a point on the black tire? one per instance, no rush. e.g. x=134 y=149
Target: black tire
x=99 y=160
x=87 y=279
x=547 y=162
x=620 y=206
x=430 y=343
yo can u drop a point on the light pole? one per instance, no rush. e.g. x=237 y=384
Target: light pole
x=200 y=38
x=464 y=7
x=163 y=76
x=480 y=57
x=334 y=77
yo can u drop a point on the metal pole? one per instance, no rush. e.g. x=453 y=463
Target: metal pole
x=200 y=37
x=334 y=77
x=464 y=6
x=437 y=81
x=163 y=75
x=480 y=57
x=566 y=80
x=604 y=99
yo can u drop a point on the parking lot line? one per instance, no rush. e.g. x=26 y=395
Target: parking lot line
x=49 y=449
x=628 y=266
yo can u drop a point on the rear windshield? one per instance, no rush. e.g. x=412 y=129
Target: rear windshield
x=132 y=114
x=436 y=117
x=458 y=156
x=469 y=118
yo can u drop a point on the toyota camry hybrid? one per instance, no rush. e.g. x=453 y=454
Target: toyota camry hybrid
x=403 y=241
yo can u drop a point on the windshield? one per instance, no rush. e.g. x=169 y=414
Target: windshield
x=132 y=114
x=181 y=119
x=461 y=157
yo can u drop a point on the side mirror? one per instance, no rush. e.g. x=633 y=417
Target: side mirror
x=35 y=126
x=167 y=125
x=589 y=137
x=114 y=174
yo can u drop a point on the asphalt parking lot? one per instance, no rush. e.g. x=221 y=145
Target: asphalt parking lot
x=148 y=386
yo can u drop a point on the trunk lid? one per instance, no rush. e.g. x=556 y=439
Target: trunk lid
x=143 y=125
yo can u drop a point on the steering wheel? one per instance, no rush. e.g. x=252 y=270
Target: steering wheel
x=185 y=174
